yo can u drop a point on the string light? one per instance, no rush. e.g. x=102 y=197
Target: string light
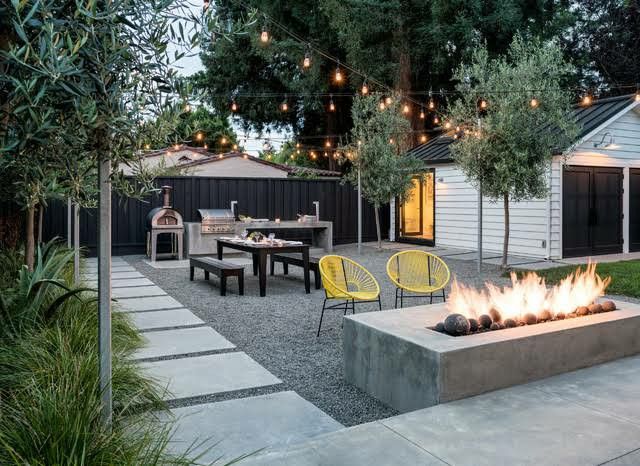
x=187 y=108
x=325 y=154
x=381 y=105
x=306 y=62
x=264 y=35
x=234 y=106
x=245 y=156
x=432 y=104
x=483 y=104
x=391 y=141
x=293 y=157
x=447 y=125
x=332 y=106
x=206 y=147
x=284 y=106
x=421 y=113
x=587 y=100
x=298 y=151
x=423 y=138
x=637 y=96
x=338 y=75
x=388 y=101
x=313 y=155
x=297 y=145
x=220 y=156
x=405 y=109
x=235 y=147
x=199 y=136
x=147 y=146
x=365 y=88
x=436 y=120
x=223 y=140
x=327 y=144
x=534 y=103
x=176 y=146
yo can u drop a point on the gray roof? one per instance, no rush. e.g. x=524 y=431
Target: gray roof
x=588 y=118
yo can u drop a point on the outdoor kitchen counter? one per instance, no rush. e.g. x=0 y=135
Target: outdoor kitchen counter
x=322 y=231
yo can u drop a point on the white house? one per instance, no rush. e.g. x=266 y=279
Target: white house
x=196 y=161
x=593 y=206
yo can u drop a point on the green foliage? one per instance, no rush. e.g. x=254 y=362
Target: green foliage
x=507 y=148
x=49 y=377
x=378 y=142
x=212 y=127
x=377 y=153
x=512 y=146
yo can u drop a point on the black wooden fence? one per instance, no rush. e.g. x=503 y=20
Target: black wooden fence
x=259 y=198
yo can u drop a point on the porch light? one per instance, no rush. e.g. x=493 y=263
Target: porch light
x=607 y=142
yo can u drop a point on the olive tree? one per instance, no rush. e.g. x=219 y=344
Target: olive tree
x=512 y=116
x=379 y=140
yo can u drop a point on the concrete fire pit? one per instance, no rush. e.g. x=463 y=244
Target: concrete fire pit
x=395 y=357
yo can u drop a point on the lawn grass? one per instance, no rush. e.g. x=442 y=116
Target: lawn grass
x=625 y=276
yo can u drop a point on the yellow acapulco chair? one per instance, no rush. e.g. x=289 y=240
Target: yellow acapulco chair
x=348 y=281
x=417 y=272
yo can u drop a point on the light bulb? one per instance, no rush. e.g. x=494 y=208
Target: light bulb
x=313 y=155
x=198 y=136
x=436 y=120
x=483 y=104
x=422 y=114
x=264 y=35
x=447 y=125
x=223 y=140
x=534 y=103
x=637 y=97
x=234 y=106
x=147 y=146
x=405 y=108
x=306 y=62
x=338 y=76
x=365 y=89
x=432 y=104
x=297 y=145
x=244 y=156
x=176 y=146
x=284 y=107
x=391 y=141
x=332 y=106
x=381 y=105
x=327 y=144
x=388 y=101
x=423 y=138
x=292 y=157
x=298 y=151
x=187 y=108
x=220 y=156
x=235 y=147
x=325 y=154
x=205 y=147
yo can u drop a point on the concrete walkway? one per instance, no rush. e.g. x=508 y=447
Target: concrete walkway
x=587 y=417
x=192 y=360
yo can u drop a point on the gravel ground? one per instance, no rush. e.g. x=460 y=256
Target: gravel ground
x=279 y=330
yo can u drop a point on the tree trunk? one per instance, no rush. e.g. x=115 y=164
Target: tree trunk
x=29 y=248
x=40 y=218
x=377 y=211
x=505 y=243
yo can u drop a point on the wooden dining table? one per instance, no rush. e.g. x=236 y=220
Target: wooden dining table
x=261 y=250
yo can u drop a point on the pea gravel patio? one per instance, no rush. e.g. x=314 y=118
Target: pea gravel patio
x=278 y=331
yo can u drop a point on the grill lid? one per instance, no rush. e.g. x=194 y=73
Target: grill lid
x=216 y=214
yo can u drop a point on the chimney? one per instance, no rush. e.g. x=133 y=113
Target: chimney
x=166 y=196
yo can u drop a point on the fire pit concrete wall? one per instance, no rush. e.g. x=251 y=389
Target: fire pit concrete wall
x=394 y=356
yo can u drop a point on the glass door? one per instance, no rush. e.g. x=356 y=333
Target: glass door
x=418 y=209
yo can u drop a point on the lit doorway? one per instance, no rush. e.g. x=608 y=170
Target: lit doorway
x=417 y=213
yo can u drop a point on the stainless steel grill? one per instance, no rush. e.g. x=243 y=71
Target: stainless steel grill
x=216 y=221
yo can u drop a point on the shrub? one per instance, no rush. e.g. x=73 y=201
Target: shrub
x=49 y=377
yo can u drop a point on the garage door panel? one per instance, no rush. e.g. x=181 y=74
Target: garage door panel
x=592 y=211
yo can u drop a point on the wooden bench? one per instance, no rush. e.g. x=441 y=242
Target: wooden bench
x=288 y=259
x=220 y=268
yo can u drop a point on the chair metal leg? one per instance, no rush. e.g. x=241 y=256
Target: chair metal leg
x=401 y=298
x=324 y=303
x=396 y=302
x=353 y=306
x=379 y=304
x=430 y=298
x=444 y=297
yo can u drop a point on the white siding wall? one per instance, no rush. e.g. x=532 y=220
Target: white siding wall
x=457 y=218
x=626 y=134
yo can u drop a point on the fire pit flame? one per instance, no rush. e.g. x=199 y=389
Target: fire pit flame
x=527 y=296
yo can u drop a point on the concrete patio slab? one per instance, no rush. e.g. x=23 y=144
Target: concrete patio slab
x=164 y=319
x=114 y=275
x=117 y=267
x=114 y=260
x=520 y=426
x=472 y=256
x=127 y=282
x=630 y=459
x=151 y=303
x=230 y=429
x=612 y=388
x=167 y=264
x=370 y=444
x=452 y=253
x=182 y=341
x=540 y=265
x=138 y=292
x=206 y=375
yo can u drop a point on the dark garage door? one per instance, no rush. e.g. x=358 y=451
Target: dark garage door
x=634 y=209
x=591 y=210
